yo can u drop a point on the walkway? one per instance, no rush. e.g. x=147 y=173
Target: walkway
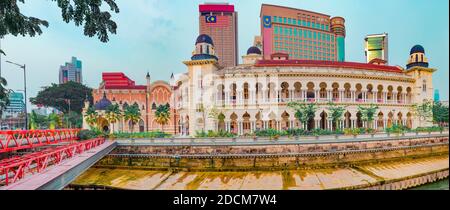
x=58 y=176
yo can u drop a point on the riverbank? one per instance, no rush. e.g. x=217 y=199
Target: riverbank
x=351 y=177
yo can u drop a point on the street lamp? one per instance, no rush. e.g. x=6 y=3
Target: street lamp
x=25 y=89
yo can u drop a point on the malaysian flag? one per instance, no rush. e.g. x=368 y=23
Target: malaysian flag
x=217 y=21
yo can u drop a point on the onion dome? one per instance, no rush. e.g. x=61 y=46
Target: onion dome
x=103 y=103
x=253 y=50
x=417 y=49
x=203 y=38
x=417 y=57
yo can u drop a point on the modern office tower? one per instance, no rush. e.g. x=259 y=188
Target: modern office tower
x=219 y=21
x=376 y=46
x=302 y=34
x=71 y=72
x=436 y=95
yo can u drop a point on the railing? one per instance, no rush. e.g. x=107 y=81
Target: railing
x=26 y=139
x=186 y=141
x=15 y=168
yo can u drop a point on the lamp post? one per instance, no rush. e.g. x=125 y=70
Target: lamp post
x=25 y=89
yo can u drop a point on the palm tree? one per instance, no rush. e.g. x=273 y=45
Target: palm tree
x=132 y=114
x=113 y=114
x=4 y=95
x=162 y=115
x=53 y=121
x=33 y=120
x=91 y=117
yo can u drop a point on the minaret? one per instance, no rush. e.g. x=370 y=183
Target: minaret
x=201 y=70
x=148 y=102
x=417 y=67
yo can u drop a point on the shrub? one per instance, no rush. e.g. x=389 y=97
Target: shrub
x=397 y=129
x=89 y=134
x=429 y=129
x=213 y=134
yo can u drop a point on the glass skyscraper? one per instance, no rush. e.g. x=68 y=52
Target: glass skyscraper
x=302 y=34
x=376 y=46
x=71 y=72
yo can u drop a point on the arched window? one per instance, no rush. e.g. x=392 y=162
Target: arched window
x=417 y=58
x=207 y=50
x=421 y=58
x=424 y=86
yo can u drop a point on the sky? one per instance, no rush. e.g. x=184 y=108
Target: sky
x=157 y=35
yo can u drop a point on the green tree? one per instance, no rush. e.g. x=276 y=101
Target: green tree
x=304 y=112
x=87 y=13
x=33 y=120
x=132 y=114
x=368 y=113
x=54 y=121
x=72 y=120
x=423 y=111
x=162 y=115
x=91 y=117
x=59 y=97
x=113 y=114
x=336 y=113
x=440 y=113
x=4 y=95
x=216 y=115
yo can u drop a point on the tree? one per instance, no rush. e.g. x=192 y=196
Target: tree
x=87 y=13
x=368 y=113
x=304 y=112
x=162 y=115
x=216 y=115
x=91 y=117
x=33 y=120
x=4 y=95
x=336 y=113
x=113 y=114
x=132 y=114
x=423 y=111
x=440 y=113
x=59 y=97
x=54 y=121
x=72 y=120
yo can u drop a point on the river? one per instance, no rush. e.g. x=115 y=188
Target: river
x=440 y=185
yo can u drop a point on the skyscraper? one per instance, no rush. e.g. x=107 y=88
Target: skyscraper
x=71 y=72
x=376 y=46
x=302 y=34
x=219 y=21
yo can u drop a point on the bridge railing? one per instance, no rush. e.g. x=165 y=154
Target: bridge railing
x=26 y=139
x=15 y=168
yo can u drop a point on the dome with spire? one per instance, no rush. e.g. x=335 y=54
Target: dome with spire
x=203 y=38
x=103 y=103
x=254 y=50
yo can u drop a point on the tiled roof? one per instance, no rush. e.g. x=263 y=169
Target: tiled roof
x=315 y=63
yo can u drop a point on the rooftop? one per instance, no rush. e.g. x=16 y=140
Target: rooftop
x=315 y=63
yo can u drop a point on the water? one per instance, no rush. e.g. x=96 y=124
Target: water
x=440 y=185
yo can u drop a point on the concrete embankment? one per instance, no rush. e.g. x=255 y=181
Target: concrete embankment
x=394 y=164
x=389 y=175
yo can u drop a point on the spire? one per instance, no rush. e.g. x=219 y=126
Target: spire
x=171 y=76
x=148 y=75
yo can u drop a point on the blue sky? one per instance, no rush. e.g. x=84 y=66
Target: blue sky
x=157 y=35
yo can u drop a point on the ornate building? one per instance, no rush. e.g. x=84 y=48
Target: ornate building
x=117 y=88
x=254 y=95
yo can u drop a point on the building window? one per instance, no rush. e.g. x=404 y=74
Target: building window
x=424 y=86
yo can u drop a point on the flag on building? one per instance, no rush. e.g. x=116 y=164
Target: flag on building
x=217 y=21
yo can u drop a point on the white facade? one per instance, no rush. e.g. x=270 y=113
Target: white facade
x=253 y=97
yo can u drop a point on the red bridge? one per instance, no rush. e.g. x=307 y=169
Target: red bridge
x=45 y=148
